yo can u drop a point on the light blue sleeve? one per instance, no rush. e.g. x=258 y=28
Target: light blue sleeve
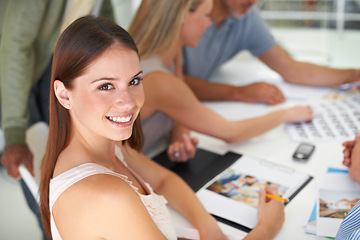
x=257 y=36
x=350 y=227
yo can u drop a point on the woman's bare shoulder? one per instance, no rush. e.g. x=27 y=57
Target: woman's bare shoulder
x=98 y=190
x=98 y=205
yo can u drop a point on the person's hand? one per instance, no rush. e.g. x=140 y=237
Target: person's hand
x=271 y=214
x=347 y=152
x=13 y=156
x=182 y=150
x=260 y=92
x=298 y=114
x=354 y=165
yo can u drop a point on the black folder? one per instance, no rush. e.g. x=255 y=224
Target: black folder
x=201 y=169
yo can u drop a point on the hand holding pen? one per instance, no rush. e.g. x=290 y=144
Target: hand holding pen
x=275 y=197
x=271 y=214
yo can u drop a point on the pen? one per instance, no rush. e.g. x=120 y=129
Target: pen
x=348 y=86
x=277 y=198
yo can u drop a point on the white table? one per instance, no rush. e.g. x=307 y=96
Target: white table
x=275 y=146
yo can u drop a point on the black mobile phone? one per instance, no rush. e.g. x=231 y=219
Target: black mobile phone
x=303 y=151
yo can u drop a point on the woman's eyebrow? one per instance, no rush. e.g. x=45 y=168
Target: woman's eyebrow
x=139 y=73
x=103 y=78
x=112 y=79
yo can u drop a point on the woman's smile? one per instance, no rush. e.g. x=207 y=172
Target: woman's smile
x=120 y=119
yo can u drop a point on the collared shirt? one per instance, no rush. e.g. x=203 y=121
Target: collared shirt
x=350 y=227
x=219 y=44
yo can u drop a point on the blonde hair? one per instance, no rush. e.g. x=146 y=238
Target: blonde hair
x=156 y=24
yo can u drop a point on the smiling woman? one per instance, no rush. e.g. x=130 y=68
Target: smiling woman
x=96 y=96
x=95 y=182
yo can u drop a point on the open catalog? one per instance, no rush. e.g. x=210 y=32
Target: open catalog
x=228 y=185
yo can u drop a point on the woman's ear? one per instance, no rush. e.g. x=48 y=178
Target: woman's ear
x=61 y=93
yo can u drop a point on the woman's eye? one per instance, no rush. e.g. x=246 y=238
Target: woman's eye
x=135 y=81
x=106 y=86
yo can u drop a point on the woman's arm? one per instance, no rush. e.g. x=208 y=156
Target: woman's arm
x=179 y=195
x=164 y=92
x=183 y=199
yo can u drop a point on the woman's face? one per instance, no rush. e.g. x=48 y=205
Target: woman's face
x=195 y=23
x=108 y=97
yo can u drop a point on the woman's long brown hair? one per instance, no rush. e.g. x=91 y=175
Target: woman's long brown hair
x=80 y=44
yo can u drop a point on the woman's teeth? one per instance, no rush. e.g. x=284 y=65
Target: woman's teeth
x=120 y=119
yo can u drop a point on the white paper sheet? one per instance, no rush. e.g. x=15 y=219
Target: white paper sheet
x=334 y=120
x=337 y=195
x=233 y=194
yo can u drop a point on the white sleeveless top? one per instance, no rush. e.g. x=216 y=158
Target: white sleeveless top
x=155 y=204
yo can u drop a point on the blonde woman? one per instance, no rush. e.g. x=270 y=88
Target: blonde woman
x=160 y=28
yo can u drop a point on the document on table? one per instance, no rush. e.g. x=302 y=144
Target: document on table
x=233 y=194
x=335 y=120
x=337 y=194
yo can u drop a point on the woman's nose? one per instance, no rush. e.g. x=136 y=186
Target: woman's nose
x=125 y=98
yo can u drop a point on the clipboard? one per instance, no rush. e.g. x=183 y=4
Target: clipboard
x=207 y=166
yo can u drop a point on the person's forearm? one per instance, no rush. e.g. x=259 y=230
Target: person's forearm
x=233 y=131
x=207 y=91
x=178 y=131
x=183 y=199
x=315 y=75
x=260 y=233
x=306 y=73
x=248 y=128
